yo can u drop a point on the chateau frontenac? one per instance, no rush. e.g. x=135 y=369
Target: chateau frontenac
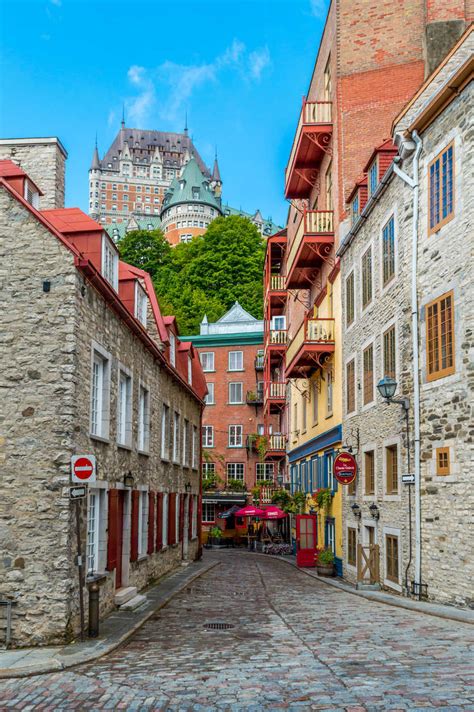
x=157 y=179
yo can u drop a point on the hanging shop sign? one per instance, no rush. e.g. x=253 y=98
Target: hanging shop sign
x=345 y=468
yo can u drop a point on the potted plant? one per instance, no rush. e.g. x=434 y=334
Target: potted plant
x=323 y=498
x=215 y=536
x=325 y=562
x=236 y=485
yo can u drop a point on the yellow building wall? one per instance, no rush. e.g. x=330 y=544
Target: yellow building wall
x=306 y=422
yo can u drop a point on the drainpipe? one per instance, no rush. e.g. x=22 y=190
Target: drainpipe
x=413 y=183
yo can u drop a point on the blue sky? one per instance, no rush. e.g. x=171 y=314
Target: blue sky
x=239 y=69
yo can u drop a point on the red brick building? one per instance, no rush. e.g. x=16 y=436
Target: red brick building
x=231 y=353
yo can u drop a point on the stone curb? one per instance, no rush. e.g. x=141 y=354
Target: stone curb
x=62 y=662
x=429 y=609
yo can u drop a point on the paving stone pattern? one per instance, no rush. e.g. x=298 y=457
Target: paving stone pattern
x=296 y=644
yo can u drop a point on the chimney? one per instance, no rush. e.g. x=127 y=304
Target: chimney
x=44 y=159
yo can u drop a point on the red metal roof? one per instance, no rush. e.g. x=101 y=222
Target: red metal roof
x=387 y=146
x=358 y=184
x=8 y=169
x=70 y=220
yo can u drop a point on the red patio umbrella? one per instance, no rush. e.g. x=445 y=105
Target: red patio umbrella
x=249 y=512
x=273 y=513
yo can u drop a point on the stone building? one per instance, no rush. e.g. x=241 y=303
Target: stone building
x=90 y=368
x=370 y=62
x=141 y=171
x=418 y=533
x=231 y=353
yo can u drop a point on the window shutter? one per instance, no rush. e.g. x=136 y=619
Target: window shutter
x=151 y=522
x=191 y=520
x=159 y=521
x=181 y=517
x=172 y=519
x=112 y=534
x=134 y=527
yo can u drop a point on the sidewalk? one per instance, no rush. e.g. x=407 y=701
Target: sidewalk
x=114 y=630
x=431 y=609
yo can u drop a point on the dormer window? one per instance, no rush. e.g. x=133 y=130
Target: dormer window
x=195 y=193
x=31 y=195
x=141 y=303
x=181 y=184
x=190 y=371
x=172 y=349
x=355 y=209
x=109 y=262
x=373 y=177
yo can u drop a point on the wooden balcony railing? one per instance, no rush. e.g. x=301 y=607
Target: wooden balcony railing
x=277 y=442
x=312 y=331
x=277 y=336
x=276 y=389
x=277 y=282
x=312 y=113
x=313 y=222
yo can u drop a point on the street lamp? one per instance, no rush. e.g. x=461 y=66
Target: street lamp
x=356 y=510
x=188 y=487
x=387 y=388
x=128 y=479
x=374 y=510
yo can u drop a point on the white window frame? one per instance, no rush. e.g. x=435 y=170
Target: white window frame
x=110 y=260
x=190 y=371
x=236 y=356
x=143 y=523
x=368 y=248
x=208 y=506
x=164 y=523
x=262 y=471
x=165 y=428
x=185 y=445
x=240 y=477
x=141 y=303
x=143 y=439
x=97 y=517
x=176 y=442
x=100 y=424
x=204 y=357
x=172 y=339
x=234 y=384
x=124 y=408
x=208 y=436
x=236 y=436
x=194 y=462
x=209 y=398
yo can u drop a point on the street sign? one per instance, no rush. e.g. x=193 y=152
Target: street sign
x=345 y=468
x=408 y=479
x=83 y=468
x=78 y=492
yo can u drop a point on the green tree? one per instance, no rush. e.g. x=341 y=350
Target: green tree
x=209 y=274
x=146 y=249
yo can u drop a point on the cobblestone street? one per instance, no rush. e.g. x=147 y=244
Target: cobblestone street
x=296 y=643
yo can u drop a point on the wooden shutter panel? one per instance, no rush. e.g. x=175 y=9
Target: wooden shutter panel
x=151 y=522
x=134 y=526
x=172 y=519
x=191 y=512
x=112 y=530
x=181 y=517
x=159 y=521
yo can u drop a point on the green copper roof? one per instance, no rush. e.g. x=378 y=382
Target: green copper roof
x=191 y=187
x=242 y=339
x=268 y=226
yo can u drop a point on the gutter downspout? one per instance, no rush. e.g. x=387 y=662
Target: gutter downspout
x=413 y=183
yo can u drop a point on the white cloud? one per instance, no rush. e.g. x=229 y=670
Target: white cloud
x=58 y=3
x=175 y=83
x=258 y=61
x=139 y=107
x=318 y=8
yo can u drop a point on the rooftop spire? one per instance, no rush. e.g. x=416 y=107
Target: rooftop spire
x=216 y=175
x=186 y=124
x=95 y=165
x=123 y=116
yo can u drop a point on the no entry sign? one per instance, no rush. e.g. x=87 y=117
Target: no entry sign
x=345 y=468
x=83 y=468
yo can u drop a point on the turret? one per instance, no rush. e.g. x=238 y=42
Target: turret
x=216 y=182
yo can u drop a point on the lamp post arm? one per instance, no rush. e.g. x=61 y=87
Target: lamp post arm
x=405 y=402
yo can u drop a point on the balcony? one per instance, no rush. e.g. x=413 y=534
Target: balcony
x=276 y=447
x=312 y=244
x=255 y=397
x=312 y=139
x=306 y=352
x=275 y=295
x=275 y=396
x=275 y=344
x=259 y=361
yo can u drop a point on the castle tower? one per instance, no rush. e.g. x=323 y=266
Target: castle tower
x=189 y=205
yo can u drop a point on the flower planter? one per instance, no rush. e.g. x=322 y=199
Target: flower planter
x=326 y=570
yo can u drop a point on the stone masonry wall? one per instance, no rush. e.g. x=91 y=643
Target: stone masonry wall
x=45 y=162
x=445 y=264
x=377 y=424
x=37 y=421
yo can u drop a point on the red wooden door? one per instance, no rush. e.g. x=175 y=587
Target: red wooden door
x=305 y=540
x=119 y=525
